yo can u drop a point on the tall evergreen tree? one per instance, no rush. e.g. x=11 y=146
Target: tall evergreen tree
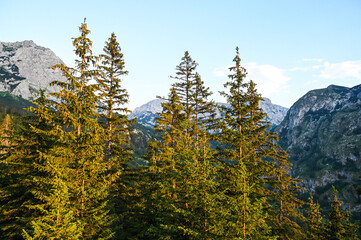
x=185 y=77
x=18 y=169
x=113 y=99
x=315 y=226
x=114 y=119
x=255 y=175
x=194 y=96
x=240 y=151
x=339 y=225
x=76 y=186
x=165 y=164
x=285 y=217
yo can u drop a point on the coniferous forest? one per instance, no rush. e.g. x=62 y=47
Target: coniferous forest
x=64 y=170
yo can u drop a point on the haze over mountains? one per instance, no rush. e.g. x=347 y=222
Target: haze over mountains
x=321 y=131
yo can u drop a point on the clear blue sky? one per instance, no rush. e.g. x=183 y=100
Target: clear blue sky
x=288 y=47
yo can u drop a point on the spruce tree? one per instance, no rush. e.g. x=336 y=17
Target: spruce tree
x=18 y=170
x=315 y=226
x=286 y=216
x=255 y=175
x=185 y=77
x=164 y=169
x=113 y=99
x=246 y=217
x=339 y=225
x=76 y=184
x=114 y=119
x=194 y=96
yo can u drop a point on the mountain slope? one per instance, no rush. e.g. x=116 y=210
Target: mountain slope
x=11 y=104
x=25 y=68
x=147 y=113
x=322 y=134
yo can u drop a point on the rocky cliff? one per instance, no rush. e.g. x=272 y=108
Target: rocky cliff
x=25 y=68
x=322 y=134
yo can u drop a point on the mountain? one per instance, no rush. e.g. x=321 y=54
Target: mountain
x=147 y=113
x=25 y=68
x=322 y=134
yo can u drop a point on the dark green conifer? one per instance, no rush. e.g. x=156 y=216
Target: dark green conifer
x=76 y=186
x=315 y=226
x=113 y=99
x=241 y=154
x=114 y=119
x=285 y=217
x=339 y=225
x=18 y=169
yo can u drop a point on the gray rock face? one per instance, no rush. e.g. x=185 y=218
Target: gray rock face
x=322 y=134
x=147 y=113
x=275 y=113
x=25 y=68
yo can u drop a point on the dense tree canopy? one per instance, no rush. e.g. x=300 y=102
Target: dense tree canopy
x=213 y=172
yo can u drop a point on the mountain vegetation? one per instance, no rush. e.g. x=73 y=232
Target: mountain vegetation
x=68 y=170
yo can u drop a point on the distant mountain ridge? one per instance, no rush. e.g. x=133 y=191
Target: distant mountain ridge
x=147 y=113
x=25 y=68
x=322 y=134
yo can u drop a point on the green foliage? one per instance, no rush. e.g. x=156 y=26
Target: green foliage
x=18 y=174
x=68 y=172
x=316 y=228
x=74 y=189
x=339 y=225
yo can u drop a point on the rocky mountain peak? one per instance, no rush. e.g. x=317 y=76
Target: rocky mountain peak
x=147 y=113
x=25 y=68
x=322 y=134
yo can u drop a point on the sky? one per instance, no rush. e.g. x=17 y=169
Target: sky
x=287 y=47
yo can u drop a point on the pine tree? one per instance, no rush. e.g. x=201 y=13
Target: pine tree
x=204 y=112
x=113 y=98
x=286 y=216
x=194 y=96
x=185 y=76
x=76 y=186
x=261 y=193
x=339 y=225
x=17 y=173
x=114 y=119
x=241 y=153
x=315 y=226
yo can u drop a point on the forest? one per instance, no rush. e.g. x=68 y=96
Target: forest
x=64 y=171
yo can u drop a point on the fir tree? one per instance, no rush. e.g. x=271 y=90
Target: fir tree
x=286 y=216
x=185 y=76
x=76 y=185
x=315 y=226
x=114 y=119
x=255 y=176
x=339 y=225
x=241 y=153
x=204 y=110
x=17 y=173
x=113 y=98
x=165 y=163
